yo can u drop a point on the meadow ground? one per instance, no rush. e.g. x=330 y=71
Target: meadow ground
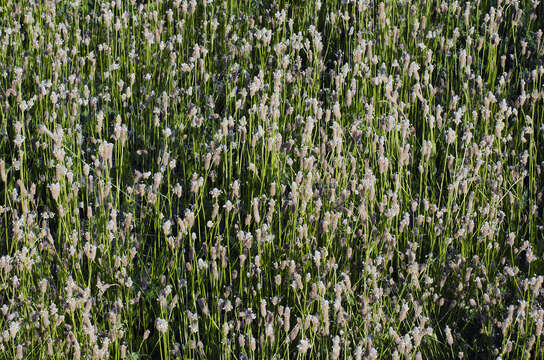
x=280 y=179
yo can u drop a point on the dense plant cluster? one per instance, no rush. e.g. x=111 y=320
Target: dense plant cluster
x=239 y=179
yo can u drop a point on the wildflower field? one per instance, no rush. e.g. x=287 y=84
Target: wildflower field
x=271 y=179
